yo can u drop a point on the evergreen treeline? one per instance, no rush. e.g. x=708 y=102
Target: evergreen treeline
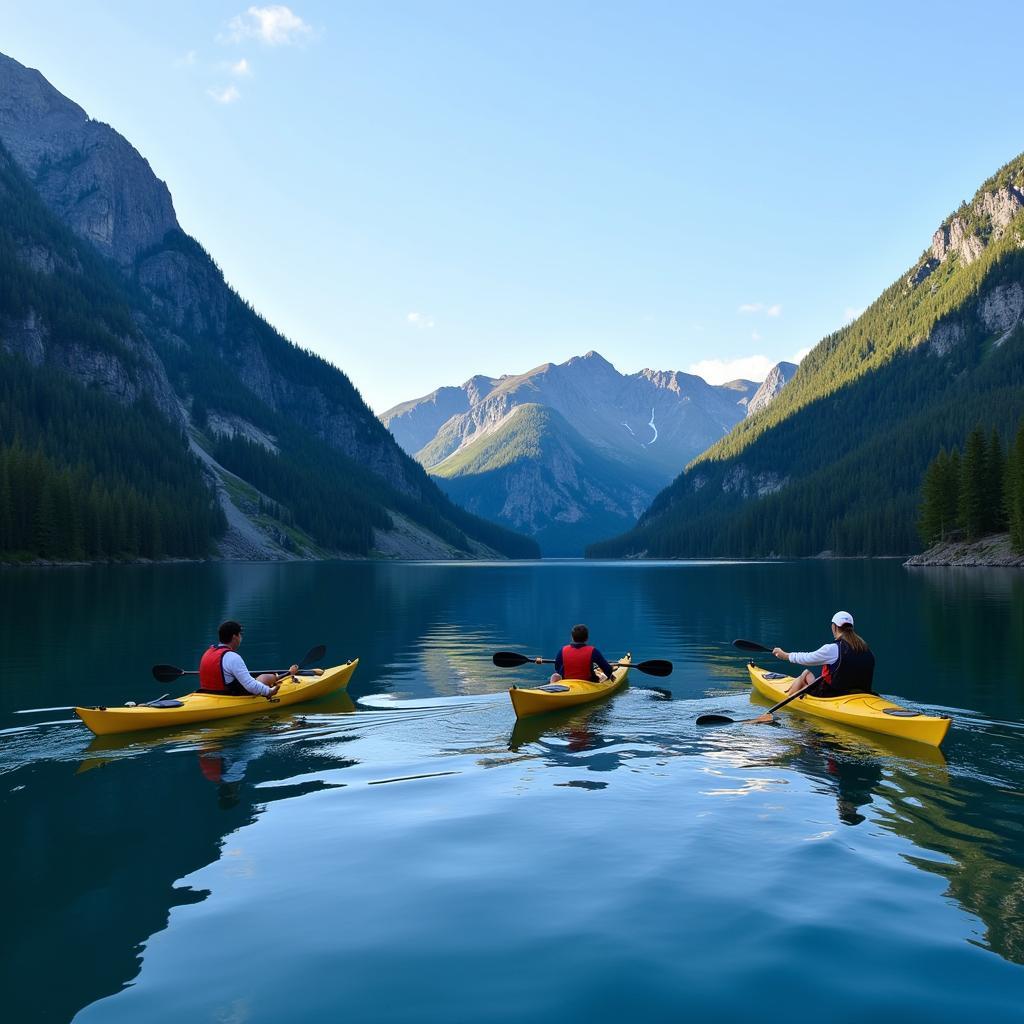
x=82 y=476
x=836 y=464
x=975 y=494
x=86 y=477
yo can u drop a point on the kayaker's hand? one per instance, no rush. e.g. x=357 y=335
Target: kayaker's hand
x=780 y=654
x=294 y=670
x=274 y=689
x=538 y=661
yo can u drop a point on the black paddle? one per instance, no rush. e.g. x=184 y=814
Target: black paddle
x=750 y=645
x=168 y=673
x=766 y=717
x=509 y=659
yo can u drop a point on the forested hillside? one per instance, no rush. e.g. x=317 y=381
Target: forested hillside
x=835 y=463
x=148 y=411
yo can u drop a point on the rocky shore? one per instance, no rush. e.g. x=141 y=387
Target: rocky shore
x=990 y=551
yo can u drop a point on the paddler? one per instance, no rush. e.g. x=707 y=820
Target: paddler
x=222 y=671
x=847 y=664
x=580 y=660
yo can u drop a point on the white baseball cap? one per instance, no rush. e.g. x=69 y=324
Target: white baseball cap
x=842 y=619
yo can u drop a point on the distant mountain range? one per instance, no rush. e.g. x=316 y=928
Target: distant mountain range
x=835 y=463
x=569 y=453
x=147 y=409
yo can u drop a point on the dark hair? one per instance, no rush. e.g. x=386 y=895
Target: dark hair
x=226 y=630
x=857 y=643
x=580 y=634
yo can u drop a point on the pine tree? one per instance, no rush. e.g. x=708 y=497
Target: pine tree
x=974 y=479
x=1015 y=491
x=937 y=517
x=996 y=471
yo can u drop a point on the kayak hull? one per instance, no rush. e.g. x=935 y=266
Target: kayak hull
x=862 y=710
x=208 y=707
x=537 y=701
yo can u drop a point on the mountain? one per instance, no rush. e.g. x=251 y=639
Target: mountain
x=632 y=432
x=538 y=474
x=111 y=313
x=778 y=377
x=836 y=461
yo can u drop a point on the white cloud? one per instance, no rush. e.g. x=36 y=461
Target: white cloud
x=755 y=336
x=749 y=308
x=756 y=367
x=275 y=25
x=718 y=371
x=851 y=313
x=227 y=94
x=421 y=320
x=188 y=61
x=240 y=68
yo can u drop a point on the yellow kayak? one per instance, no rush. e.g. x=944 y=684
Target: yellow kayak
x=863 y=710
x=207 y=707
x=538 y=700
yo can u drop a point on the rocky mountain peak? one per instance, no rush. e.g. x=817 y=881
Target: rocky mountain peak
x=90 y=176
x=778 y=377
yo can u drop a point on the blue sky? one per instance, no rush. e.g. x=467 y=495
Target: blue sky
x=423 y=191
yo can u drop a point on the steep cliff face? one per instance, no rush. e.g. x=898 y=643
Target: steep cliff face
x=178 y=334
x=91 y=177
x=835 y=461
x=778 y=377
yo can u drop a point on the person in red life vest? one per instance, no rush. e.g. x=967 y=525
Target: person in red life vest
x=579 y=659
x=848 y=666
x=221 y=669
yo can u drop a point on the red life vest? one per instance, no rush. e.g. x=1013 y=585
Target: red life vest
x=211 y=672
x=578 y=662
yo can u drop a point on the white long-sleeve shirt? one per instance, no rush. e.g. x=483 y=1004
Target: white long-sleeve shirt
x=827 y=654
x=234 y=668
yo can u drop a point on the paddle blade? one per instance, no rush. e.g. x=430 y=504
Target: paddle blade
x=654 y=668
x=509 y=659
x=715 y=720
x=167 y=673
x=749 y=645
x=313 y=654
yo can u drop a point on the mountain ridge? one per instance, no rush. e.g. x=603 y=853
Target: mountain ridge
x=835 y=463
x=186 y=341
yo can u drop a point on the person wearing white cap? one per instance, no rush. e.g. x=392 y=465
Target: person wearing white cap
x=847 y=664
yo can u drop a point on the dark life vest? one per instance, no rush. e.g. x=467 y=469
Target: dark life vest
x=852 y=672
x=211 y=673
x=578 y=663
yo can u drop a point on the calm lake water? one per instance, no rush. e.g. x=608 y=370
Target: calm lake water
x=407 y=853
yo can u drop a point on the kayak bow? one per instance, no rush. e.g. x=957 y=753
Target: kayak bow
x=567 y=693
x=205 y=707
x=863 y=710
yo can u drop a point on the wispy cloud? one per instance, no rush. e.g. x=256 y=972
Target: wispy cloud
x=227 y=94
x=240 y=68
x=851 y=313
x=755 y=335
x=275 y=25
x=420 y=320
x=188 y=60
x=750 y=308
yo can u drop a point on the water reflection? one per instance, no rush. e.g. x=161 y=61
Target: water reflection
x=107 y=829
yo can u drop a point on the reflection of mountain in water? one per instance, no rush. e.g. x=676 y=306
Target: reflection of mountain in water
x=911 y=793
x=98 y=860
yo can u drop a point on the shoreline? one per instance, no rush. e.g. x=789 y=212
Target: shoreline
x=992 y=552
